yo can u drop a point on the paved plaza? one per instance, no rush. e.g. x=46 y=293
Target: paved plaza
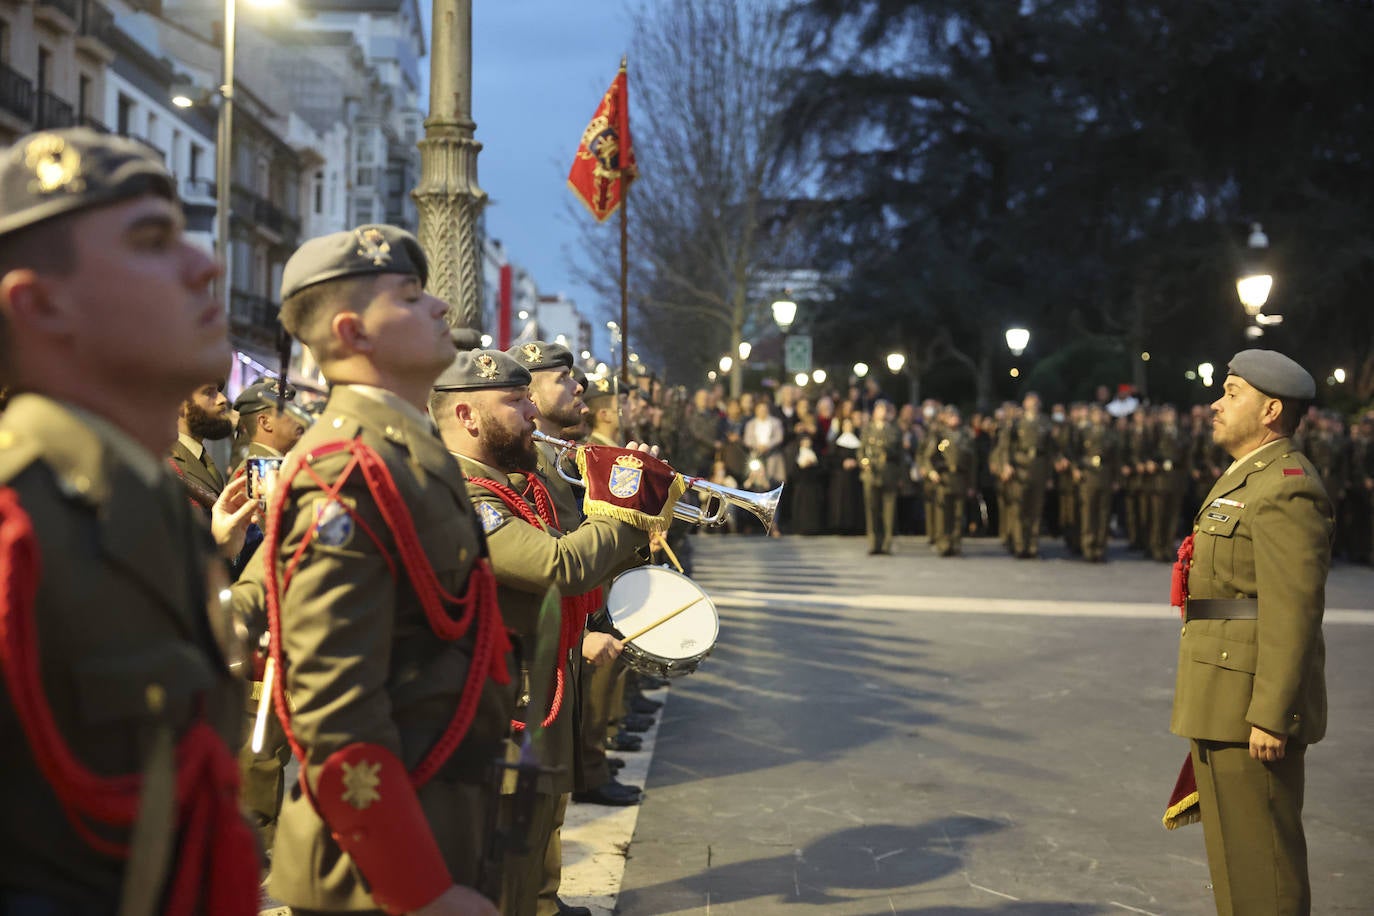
x=913 y=735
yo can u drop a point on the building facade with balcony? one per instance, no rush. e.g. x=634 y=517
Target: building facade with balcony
x=54 y=58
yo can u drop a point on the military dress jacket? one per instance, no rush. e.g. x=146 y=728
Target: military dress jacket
x=190 y=466
x=1263 y=532
x=1098 y=458
x=362 y=662
x=125 y=644
x=880 y=455
x=527 y=560
x=949 y=453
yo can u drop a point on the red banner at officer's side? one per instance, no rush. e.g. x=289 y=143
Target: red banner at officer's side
x=605 y=161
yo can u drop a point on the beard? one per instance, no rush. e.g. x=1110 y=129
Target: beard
x=510 y=451
x=204 y=425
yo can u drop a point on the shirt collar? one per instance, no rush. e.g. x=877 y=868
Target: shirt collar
x=393 y=401
x=144 y=463
x=193 y=445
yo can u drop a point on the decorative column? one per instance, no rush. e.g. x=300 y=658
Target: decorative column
x=448 y=198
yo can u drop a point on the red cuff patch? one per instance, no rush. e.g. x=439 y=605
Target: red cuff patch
x=1294 y=472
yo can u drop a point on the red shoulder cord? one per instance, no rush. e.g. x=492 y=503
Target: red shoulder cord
x=217 y=863
x=576 y=608
x=1178 y=585
x=477 y=604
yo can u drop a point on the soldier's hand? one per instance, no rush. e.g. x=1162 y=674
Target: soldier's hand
x=650 y=450
x=231 y=515
x=933 y=477
x=458 y=901
x=601 y=648
x=1265 y=745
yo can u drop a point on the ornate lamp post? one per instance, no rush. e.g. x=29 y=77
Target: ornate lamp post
x=448 y=197
x=1255 y=282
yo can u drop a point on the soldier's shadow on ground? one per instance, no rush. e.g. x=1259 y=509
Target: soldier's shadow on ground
x=840 y=867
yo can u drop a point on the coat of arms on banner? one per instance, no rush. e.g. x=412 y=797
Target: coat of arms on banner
x=626 y=475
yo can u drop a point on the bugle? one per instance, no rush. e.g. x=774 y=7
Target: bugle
x=715 y=498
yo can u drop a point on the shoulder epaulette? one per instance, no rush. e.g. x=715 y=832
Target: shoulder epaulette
x=16 y=454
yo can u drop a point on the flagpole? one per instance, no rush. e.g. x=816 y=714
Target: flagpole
x=623 y=132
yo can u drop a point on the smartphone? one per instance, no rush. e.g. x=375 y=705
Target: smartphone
x=262 y=479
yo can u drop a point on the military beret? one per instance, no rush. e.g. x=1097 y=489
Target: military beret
x=472 y=370
x=537 y=356
x=55 y=172
x=376 y=249
x=466 y=338
x=600 y=387
x=260 y=395
x=1273 y=373
x=580 y=376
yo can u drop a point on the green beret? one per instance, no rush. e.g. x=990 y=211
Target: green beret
x=1273 y=373
x=465 y=338
x=537 y=355
x=580 y=376
x=377 y=249
x=260 y=396
x=472 y=370
x=600 y=387
x=57 y=172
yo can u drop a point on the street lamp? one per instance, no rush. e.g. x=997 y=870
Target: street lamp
x=895 y=362
x=1255 y=282
x=860 y=370
x=726 y=363
x=1205 y=372
x=801 y=379
x=1339 y=376
x=745 y=348
x=784 y=313
x=1017 y=340
x=819 y=376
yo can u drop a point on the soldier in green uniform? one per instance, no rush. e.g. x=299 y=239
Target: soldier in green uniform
x=1095 y=466
x=947 y=465
x=1251 y=691
x=393 y=680
x=123 y=674
x=486 y=418
x=1167 y=472
x=1067 y=427
x=880 y=469
x=270 y=432
x=1030 y=454
x=1000 y=467
x=1137 y=447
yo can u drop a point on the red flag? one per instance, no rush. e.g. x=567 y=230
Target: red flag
x=605 y=161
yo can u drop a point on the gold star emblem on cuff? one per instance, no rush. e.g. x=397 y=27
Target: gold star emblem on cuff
x=360 y=784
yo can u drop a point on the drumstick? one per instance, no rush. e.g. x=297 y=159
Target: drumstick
x=269 y=671
x=662 y=620
x=658 y=542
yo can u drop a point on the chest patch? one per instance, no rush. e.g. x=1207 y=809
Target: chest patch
x=1218 y=517
x=489 y=517
x=1294 y=472
x=333 y=525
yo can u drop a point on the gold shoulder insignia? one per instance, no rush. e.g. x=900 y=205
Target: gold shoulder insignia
x=360 y=784
x=55 y=165
x=486 y=367
x=374 y=246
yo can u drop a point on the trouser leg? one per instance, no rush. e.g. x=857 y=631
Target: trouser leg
x=1252 y=828
x=522 y=875
x=553 y=862
x=889 y=507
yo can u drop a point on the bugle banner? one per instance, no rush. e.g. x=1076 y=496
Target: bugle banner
x=631 y=486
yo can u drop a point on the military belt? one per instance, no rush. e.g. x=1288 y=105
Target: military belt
x=1223 y=608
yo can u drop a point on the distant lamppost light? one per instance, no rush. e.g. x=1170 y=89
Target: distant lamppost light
x=726 y=364
x=801 y=379
x=1253 y=287
x=562 y=339
x=486 y=340
x=586 y=354
x=1339 y=376
x=819 y=376
x=711 y=375
x=523 y=315
x=600 y=368
x=860 y=370
x=784 y=313
x=1254 y=332
x=745 y=348
x=1017 y=340
x=895 y=362
x=1145 y=357
x=634 y=357
x=1015 y=372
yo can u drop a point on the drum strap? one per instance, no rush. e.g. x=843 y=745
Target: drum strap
x=576 y=608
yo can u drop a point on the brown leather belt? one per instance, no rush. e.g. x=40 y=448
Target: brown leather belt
x=1223 y=608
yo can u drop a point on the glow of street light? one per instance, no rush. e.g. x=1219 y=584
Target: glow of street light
x=1254 y=332
x=1206 y=370
x=563 y=340
x=601 y=369
x=634 y=357
x=1190 y=375
x=711 y=375
x=819 y=376
x=1339 y=376
x=181 y=100
x=860 y=370
x=1254 y=292
x=726 y=364
x=486 y=340
x=895 y=362
x=1017 y=340
x=784 y=313
x=801 y=379
x=1145 y=357
x=1015 y=372
x=523 y=314
x=745 y=348
x=586 y=354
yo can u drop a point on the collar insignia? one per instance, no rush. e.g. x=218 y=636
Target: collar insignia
x=374 y=246
x=486 y=367
x=55 y=165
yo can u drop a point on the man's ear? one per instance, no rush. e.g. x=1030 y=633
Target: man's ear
x=467 y=417
x=29 y=301
x=348 y=330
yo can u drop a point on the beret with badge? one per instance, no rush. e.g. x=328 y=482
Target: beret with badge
x=600 y=388
x=372 y=249
x=537 y=356
x=474 y=370
x=262 y=396
x=1273 y=374
x=57 y=172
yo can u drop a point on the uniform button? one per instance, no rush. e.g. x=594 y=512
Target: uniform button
x=1183 y=632
x=81 y=483
x=156 y=697
x=1225 y=655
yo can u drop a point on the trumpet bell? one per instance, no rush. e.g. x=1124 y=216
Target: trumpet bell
x=716 y=499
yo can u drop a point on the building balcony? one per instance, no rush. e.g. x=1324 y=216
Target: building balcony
x=161 y=153
x=253 y=320
x=94 y=124
x=58 y=13
x=53 y=113
x=198 y=189
x=16 y=93
x=264 y=215
x=94 y=29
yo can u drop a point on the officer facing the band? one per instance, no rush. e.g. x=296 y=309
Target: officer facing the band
x=122 y=682
x=1251 y=689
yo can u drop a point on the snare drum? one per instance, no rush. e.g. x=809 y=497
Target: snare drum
x=642 y=595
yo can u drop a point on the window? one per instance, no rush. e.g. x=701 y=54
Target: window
x=126 y=113
x=44 y=69
x=196 y=152
x=151 y=135
x=362 y=210
x=4 y=41
x=319 y=192
x=83 y=97
x=174 y=152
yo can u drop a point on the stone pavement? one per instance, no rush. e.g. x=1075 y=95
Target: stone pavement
x=884 y=735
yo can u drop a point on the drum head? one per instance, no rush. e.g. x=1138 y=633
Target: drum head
x=640 y=596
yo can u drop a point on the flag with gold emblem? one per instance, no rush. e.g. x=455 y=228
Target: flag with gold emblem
x=605 y=162
x=631 y=486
